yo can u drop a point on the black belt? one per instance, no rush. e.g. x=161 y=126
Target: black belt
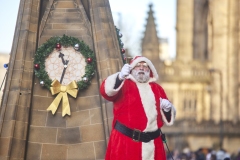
x=136 y=134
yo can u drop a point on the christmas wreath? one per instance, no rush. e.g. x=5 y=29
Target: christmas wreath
x=56 y=43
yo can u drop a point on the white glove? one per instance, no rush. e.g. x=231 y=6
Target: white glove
x=165 y=105
x=125 y=71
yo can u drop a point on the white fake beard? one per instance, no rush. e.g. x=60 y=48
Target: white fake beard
x=141 y=76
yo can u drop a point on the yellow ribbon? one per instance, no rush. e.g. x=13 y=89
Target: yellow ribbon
x=62 y=91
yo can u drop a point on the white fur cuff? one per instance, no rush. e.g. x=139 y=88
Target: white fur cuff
x=110 y=83
x=173 y=115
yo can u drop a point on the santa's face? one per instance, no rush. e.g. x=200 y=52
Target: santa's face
x=141 y=72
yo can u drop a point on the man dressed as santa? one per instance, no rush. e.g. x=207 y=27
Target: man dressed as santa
x=141 y=107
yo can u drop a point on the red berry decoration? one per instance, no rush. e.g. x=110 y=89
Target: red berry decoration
x=37 y=66
x=122 y=50
x=58 y=46
x=89 y=60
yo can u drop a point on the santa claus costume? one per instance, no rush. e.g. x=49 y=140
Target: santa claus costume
x=137 y=107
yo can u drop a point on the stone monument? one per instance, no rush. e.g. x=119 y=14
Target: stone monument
x=27 y=129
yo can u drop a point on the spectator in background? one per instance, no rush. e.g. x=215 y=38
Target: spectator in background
x=213 y=157
x=238 y=156
x=222 y=154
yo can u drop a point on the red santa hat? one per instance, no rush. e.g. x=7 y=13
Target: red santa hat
x=138 y=59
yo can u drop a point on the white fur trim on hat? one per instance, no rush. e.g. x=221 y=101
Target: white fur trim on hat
x=144 y=59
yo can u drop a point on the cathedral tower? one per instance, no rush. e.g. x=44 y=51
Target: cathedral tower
x=150 y=41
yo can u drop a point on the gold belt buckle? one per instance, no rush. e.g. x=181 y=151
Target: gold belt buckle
x=139 y=133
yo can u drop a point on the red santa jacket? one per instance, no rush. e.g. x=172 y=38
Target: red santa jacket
x=137 y=106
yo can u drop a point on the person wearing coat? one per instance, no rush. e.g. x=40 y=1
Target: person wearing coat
x=141 y=108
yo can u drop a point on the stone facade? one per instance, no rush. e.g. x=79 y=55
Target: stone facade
x=203 y=80
x=28 y=131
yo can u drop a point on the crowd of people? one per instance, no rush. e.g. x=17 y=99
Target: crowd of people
x=202 y=154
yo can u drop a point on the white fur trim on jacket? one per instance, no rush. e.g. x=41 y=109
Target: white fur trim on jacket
x=148 y=102
x=110 y=83
x=151 y=66
x=173 y=115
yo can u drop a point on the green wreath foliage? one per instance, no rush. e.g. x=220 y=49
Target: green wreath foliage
x=45 y=49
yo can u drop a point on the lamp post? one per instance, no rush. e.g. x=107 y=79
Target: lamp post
x=221 y=105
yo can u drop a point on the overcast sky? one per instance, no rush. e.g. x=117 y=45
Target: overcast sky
x=8 y=17
x=129 y=16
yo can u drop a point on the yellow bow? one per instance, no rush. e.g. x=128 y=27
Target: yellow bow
x=71 y=89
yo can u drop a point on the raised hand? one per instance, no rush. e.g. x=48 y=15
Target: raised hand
x=125 y=71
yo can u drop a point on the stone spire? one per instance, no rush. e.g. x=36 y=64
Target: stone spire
x=150 y=41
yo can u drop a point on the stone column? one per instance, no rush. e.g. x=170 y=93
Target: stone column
x=184 y=30
x=28 y=130
x=15 y=108
x=233 y=60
